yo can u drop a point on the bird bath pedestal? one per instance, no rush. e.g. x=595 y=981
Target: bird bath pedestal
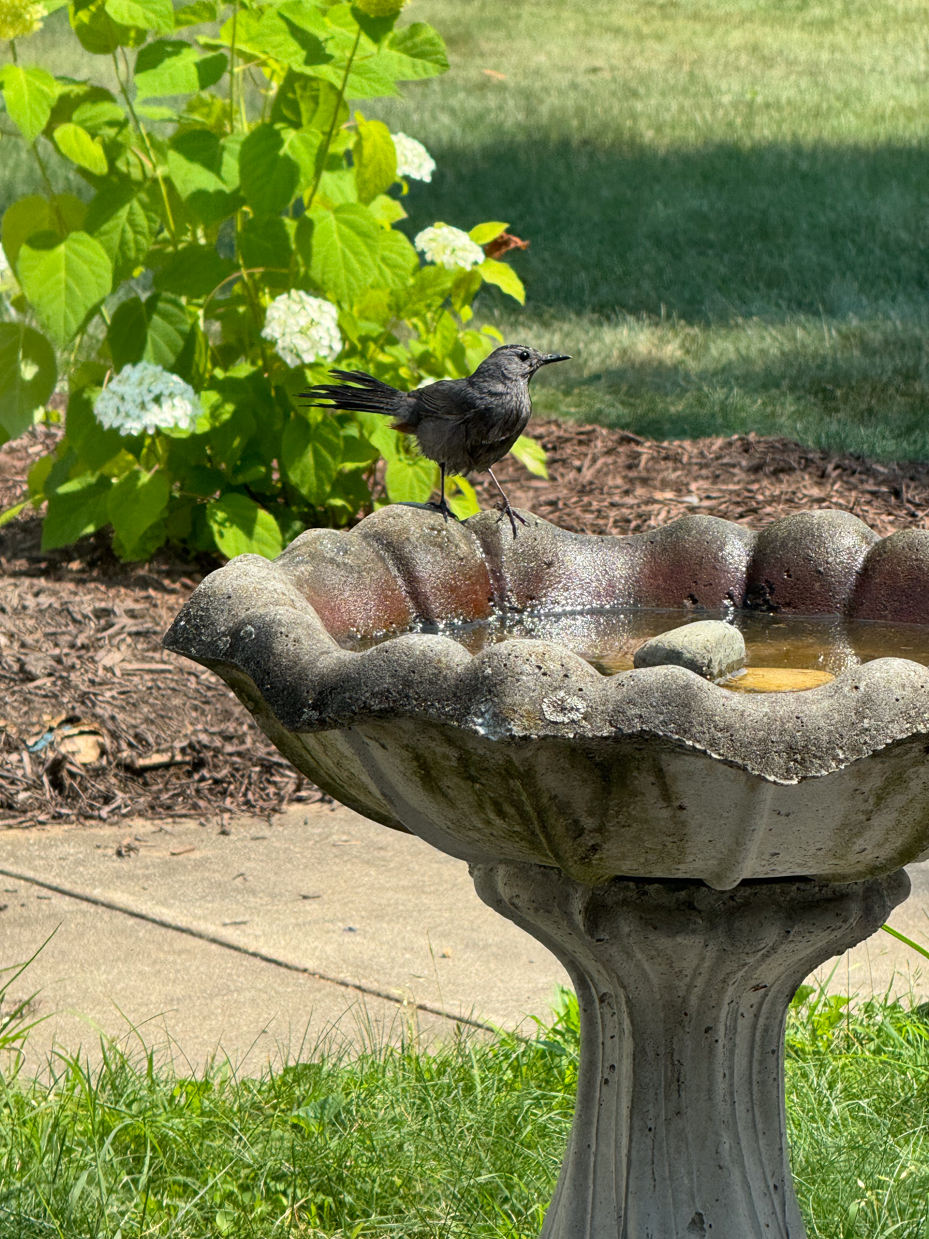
x=689 y=854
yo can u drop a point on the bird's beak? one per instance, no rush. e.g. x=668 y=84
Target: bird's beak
x=550 y=357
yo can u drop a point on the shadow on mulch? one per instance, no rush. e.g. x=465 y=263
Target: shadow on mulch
x=98 y=722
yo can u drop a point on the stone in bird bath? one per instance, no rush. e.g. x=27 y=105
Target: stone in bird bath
x=708 y=647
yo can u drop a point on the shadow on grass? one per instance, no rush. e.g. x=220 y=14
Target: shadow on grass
x=781 y=288
x=703 y=234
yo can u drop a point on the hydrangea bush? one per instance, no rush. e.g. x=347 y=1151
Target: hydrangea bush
x=238 y=235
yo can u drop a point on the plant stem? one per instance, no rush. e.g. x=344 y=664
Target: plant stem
x=324 y=155
x=13 y=51
x=48 y=186
x=172 y=230
x=235 y=23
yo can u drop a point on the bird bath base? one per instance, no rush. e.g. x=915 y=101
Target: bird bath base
x=551 y=779
x=679 y=1131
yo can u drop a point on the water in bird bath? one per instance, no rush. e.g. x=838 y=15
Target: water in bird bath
x=782 y=652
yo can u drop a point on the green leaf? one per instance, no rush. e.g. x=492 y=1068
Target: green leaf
x=503 y=275
x=267 y=243
x=195 y=162
x=424 y=293
x=532 y=454
x=174 y=67
x=96 y=30
x=92 y=445
x=27 y=376
x=26 y=216
x=306 y=16
x=413 y=52
x=396 y=259
x=410 y=479
x=77 y=145
x=135 y=503
x=483 y=234
x=386 y=210
x=98 y=116
x=286 y=40
x=375 y=159
x=241 y=527
x=275 y=164
x=78 y=507
x=311 y=455
x=29 y=95
x=193 y=271
x=32 y=214
x=465 y=503
x=308 y=103
x=38 y=476
x=63 y=280
x=195 y=14
x=157 y=15
x=120 y=219
x=345 y=250
x=367 y=79
x=155 y=330
x=11 y=513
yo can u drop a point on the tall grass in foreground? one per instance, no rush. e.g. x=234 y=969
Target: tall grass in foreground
x=463 y=1141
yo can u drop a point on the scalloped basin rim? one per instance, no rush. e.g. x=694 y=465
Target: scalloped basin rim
x=273 y=623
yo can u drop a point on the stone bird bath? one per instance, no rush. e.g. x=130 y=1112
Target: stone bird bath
x=689 y=854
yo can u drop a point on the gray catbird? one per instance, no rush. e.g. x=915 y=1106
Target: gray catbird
x=461 y=424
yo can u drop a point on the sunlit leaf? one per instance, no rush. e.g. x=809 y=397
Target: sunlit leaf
x=241 y=527
x=76 y=144
x=63 y=280
x=29 y=95
x=531 y=454
x=27 y=376
x=503 y=275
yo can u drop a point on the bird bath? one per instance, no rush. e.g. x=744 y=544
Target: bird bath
x=689 y=853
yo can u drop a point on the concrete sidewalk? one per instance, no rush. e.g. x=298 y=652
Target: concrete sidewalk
x=260 y=942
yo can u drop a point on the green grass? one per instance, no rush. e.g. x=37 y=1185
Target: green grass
x=463 y=1141
x=727 y=202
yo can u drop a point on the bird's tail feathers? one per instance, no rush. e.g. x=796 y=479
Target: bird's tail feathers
x=359 y=393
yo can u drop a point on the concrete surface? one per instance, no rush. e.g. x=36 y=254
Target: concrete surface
x=318 y=925
x=290 y=917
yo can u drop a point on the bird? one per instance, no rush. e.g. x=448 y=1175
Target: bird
x=464 y=425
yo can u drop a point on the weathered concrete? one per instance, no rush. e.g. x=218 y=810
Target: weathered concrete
x=525 y=753
x=552 y=781
x=385 y=915
x=707 y=647
x=421 y=935
x=680 y=1127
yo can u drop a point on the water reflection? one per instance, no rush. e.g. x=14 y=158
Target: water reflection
x=608 y=639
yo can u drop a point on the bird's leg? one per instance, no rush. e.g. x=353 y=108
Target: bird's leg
x=507 y=510
x=442 y=505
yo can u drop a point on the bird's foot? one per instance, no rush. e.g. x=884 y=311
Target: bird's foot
x=444 y=509
x=513 y=515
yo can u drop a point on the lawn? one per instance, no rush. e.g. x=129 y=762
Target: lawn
x=726 y=199
x=465 y=1141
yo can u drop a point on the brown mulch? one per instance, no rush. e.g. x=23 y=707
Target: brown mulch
x=98 y=722
x=612 y=482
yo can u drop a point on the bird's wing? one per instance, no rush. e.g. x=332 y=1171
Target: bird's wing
x=447 y=398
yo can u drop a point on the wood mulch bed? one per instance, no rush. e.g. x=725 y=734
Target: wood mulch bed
x=97 y=722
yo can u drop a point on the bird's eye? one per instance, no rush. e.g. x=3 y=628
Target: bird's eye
x=523 y=355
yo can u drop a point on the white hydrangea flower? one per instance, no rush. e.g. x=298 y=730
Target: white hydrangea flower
x=144 y=397
x=449 y=247
x=413 y=160
x=303 y=329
